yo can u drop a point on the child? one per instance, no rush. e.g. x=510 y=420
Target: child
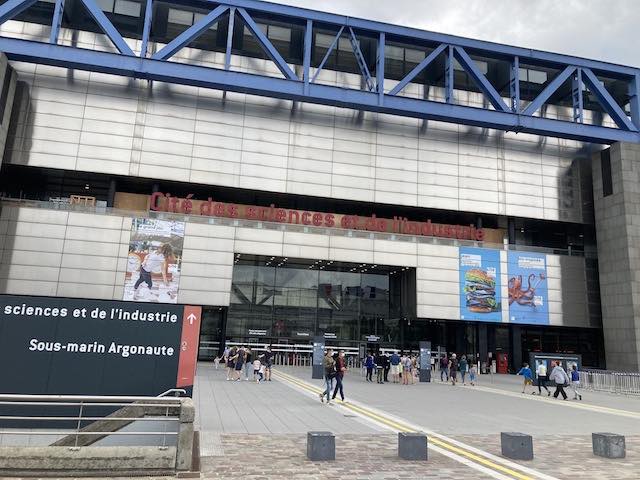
x=472 y=374
x=216 y=362
x=256 y=369
x=526 y=372
x=261 y=373
x=575 y=382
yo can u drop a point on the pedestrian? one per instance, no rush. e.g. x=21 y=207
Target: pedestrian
x=231 y=363
x=341 y=369
x=453 y=369
x=248 y=362
x=464 y=367
x=444 y=368
x=406 y=369
x=414 y=370
x=256 y=369
x=541 y=373
x=575 y=382
x=395 y=367
x=473 y=372
x=379 y=368
x=267 y=360
x=369 y=364
x=527 y=375
x=560 y=377
x=329 y=365
x=386 y=365
x=240 y=356
x=261 y=372
x=216 y=362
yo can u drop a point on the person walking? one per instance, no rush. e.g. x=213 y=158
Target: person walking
x=453 y=369
x=267 y=361
x=379 y=368
x=329 y=365
x=527 y=375
x=256 y=370
x=444 y=368
x=341 y=368
x=248 y=362
x=369 y=364
x=231 y=363
x=464 y=367
x=560 y=377
x=473 y=372
x=541 y=373
x=395 y=367
x=240 y=356
x=575 y=382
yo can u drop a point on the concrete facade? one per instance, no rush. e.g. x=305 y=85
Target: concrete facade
x=618 y=233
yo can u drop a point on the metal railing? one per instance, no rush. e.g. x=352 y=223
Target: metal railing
x=613 y=382
x=82 y=420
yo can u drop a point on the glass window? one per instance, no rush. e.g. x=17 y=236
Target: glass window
x=413 y=56
x=323 y=40
x=339 y=303
x=180 y=17
x=374 y=307
x=394 y=53
x=105 y=5
x=126 y=7
x=536 y=76
x=279 y=33
x=296 y=301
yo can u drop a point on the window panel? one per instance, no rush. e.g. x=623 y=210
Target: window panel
x=105 y=5
x=180 y=17
x=126 y=7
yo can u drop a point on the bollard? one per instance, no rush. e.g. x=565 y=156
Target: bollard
x=608 y=445
x=517 y=446
x=412 y=446
x=321 y=446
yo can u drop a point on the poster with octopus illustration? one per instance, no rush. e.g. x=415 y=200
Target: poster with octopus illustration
x=480 y=285
x=527 y=286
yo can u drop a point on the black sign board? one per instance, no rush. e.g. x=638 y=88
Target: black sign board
x=566 y=360
x=425 y=361
x=318 y=356
x=92 y=347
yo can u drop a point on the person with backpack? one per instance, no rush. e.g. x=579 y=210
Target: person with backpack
x=329 y=365
x=444 y=369
x=453 y=369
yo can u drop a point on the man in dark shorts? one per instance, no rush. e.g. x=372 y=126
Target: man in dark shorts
x=267 y=360
x=239 y=364
x=453 y=369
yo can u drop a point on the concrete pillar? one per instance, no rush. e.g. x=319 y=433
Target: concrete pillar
x=617 y=221
x=184 y=447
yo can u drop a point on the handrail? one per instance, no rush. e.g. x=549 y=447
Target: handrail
x=176 y=391
x=125 y=400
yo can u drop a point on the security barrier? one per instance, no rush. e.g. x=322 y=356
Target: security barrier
x=612 y=382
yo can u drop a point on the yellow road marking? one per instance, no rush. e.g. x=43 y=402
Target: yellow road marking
x=405 y=428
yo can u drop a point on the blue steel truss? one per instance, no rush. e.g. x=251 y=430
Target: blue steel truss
x=498 y=114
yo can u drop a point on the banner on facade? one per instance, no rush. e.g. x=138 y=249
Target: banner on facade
x=67 y=346
x=480 y=285
x=528 y=288
x=154 y=260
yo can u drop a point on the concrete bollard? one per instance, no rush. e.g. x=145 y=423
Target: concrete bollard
x=321 y=446
x=412 y=446
x=608 y=445
x=517 y=446
x=184 y=450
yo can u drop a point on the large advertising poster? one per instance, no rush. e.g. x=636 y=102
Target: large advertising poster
x=480 y=285
x=62 y=346
x=153 y=265
x=528 y=298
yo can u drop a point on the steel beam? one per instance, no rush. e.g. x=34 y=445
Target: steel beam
x=190 y=34
x=634 y=99
x=417 y=69
x=549 y=90
x=230 y=27
x=514 y=85
x=146 y=28
x=380 y=68
x=107 y=27
x=362 y=63
x=576 y=96
x=449 y=76
x=606 y=100
x=56 y=23
x=267 y=46
x=479 y=79
x=11 y=8
x=171 y=72
x=326 y=55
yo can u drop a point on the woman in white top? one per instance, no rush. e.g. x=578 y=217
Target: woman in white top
x=541 y=373
x=154 y=261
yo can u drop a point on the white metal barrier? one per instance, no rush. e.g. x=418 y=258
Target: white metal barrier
x=613 y=382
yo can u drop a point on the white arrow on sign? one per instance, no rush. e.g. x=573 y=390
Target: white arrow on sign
x=191 y=318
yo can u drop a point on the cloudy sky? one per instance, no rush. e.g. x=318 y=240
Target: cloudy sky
x=599 y=29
